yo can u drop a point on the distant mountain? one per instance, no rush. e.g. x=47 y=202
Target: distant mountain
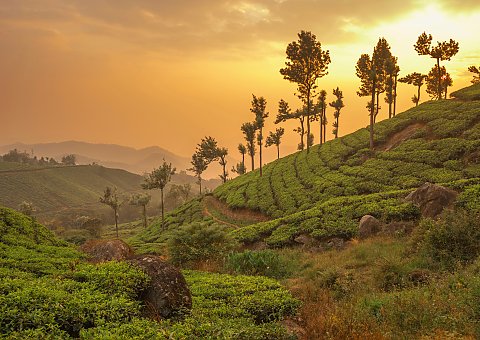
x=109 y=155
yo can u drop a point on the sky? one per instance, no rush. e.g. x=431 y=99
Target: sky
x=167 y=73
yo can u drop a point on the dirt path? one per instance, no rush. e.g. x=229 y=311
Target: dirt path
x=398 y=138
x=243 y=215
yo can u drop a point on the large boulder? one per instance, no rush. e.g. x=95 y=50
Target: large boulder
x=432 y=199
x=106 y=250
x=168 y=294
x=368 y=226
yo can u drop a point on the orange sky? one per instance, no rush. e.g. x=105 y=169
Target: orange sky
x=167 y=73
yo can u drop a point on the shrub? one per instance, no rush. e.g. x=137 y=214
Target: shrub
x=199 y=242
x=448 y=242
x=264 y=262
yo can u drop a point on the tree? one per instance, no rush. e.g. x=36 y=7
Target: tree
x=259 y=105
x=415 y=79
x=199 y=165
x=158 y=179
x=275 y=138
x=476 y=74
x=322 y=114
x=433 y=86
x=222 y=159
x=69 y=159
x=141 y=200
x=249 y=130
x=91 y=224
x=306 y=63
x=385 y=62
x=111 y=199
x=391 y=70
x=285 y=113
x=444 y=50
x=366 y=71
x=243 y=150
x=337 y=105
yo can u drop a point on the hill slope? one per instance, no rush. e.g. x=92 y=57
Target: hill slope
x=325 y=192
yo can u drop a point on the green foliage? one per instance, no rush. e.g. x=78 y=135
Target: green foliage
x=470 y=199
x=263 y=262
x=449 y=242
x=199 y=242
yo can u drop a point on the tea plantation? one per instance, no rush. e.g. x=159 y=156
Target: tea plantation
x=48 y=291
x=325 y=192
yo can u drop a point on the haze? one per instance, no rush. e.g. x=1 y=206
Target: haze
x=168 y=73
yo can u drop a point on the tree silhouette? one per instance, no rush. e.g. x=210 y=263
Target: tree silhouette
x=285 y=113
x=141 y=200
x=111 y=199
x=69 y=159
x=249 y=130
x=306 y=63
x=391 y=71
x=222 y=159
x=337 y=105
x=444 y=50
x=243 y=150
x=432 y=82
x=366 y=71
x=476 y=74
x=199 y=165
x=158 y=179
x=275 y=138
x=322 y=114
x=415 y=79
x=259 y=105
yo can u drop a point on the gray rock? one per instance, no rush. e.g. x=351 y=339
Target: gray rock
x=368 y=226
x=106 y=250
x=168 y=294
x=432 y=199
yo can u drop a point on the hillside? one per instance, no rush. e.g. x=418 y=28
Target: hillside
x=66 y=192
x=109 y=155
x=49 y=291
x=324 y=193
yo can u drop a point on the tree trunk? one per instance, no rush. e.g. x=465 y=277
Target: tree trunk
x=377 y=109
x=302 y=132
x=200 y=184
x=116 y=221
x=163 y=217
x=439 y=89
x=224 y=172
x=308 y=121
x=395 y=96
x=243 y=162
x=372 y=112
x=320 y=118
x=418 y=95
x=253 y=161
x=324 y=125
x=145 y=216
x=261 y=142
x=278 y=151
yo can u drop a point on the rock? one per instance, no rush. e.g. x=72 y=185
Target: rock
x=304 y=239
x=432 y=199
x=106 y=250
x=168 y=294
x=368 y=226
x=336 y=243
x=398 y=228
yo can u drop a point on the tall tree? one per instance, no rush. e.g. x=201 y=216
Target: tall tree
x=259 y=105
x=382 y=57
x=243 y=150
x=366 y=71
x=322 y=114
x=476 y=74
x=391 y=71
x=337 y=105
x=222 y=159
x=249 y=130
x=158 y=179
x=432 y=82
x=141 y=200
x=199 y=165
x=415 y=79
x=285 y=113
x=275 y=138
x=444 y=50
x=110 y=198
x=306 y=63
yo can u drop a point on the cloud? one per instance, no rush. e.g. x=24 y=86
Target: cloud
x=192 y=27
